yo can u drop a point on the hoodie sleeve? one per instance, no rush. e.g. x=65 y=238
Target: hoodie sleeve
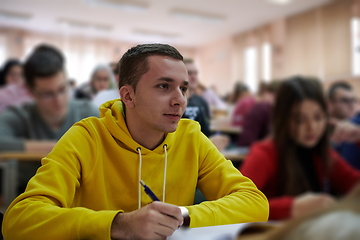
x=45 y=211
x=233 y=198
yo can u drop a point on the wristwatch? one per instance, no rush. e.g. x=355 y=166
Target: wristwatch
x=186 y=216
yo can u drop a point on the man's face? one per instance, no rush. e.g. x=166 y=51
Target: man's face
x=193 y=75
x=15 y=75
x=51 y=95
x=159 y=100
x=343 y=104
x=101 y=80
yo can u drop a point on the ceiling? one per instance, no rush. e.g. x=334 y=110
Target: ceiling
x=170 y=21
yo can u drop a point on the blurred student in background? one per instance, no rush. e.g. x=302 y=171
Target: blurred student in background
x=341 y=101
x=296 y=169
x=257 y=122
x=12 y=89
x=72 y=87
x=108 y=94
x=212 y=98
x=35 y=127
x=340 y=222
x=197 y=108
x=245 y=101
x=342 y=104
x=102 y=78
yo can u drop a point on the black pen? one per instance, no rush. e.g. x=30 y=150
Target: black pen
x=148 y=191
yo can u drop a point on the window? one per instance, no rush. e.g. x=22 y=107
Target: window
x=3 y=53
x=355 y=38
x=266 y=62
x=251 y=76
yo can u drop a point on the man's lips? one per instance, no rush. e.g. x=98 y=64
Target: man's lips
x=172 y=115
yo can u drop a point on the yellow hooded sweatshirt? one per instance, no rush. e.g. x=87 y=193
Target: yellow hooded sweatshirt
x=93 y=173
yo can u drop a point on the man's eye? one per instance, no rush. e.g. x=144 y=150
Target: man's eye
x=163 y=86
x=184 y=89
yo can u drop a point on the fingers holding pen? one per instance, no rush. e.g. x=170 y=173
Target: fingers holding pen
x=170 y=212
x=157 y=220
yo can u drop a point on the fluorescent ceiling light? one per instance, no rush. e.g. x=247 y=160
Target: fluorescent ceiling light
x=155 y=34
x=79 y=25
x=126 y=5
x=197 y=16
x=280 y=2
x=7 y=15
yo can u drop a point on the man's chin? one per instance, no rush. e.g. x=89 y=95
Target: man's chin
x=171 y=129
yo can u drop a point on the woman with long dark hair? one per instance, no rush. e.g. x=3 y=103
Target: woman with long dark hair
x=296 y=169
x=12 y=89
x=11 y=73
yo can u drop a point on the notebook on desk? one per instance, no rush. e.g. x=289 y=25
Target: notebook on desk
x=222 y=232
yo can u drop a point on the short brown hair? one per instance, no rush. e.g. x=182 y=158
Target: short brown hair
x=45 y=61
x=134 y=63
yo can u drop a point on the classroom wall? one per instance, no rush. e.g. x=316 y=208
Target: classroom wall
x=217 y=64
x=82 y=53
x=315 y=42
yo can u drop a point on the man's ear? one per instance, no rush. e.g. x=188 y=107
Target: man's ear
x=127 y=96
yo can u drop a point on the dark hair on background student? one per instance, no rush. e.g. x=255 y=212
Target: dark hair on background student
x=338 y=85
x=134 y=63
x=291 y=93
x=45 y=61
x=8 y=65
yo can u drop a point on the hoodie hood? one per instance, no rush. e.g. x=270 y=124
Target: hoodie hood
x=112 y=114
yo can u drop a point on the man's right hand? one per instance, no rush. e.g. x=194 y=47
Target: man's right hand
x=156 y=220
x=310 y=202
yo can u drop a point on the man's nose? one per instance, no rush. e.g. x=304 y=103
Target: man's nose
x=179 y=98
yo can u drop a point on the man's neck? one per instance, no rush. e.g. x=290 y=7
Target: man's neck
x=147 y=138
x=54 y=123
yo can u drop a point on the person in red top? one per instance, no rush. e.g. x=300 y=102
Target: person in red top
x=296 y=168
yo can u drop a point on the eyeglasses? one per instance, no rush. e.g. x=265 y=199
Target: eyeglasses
x=48 y=96
x=347 y=101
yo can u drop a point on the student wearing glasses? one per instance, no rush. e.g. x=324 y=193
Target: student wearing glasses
x=36 y=126
x=342 y=108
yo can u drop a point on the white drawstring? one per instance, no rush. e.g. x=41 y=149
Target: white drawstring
x=139 y=178
x=140 y=173
x=165 y=168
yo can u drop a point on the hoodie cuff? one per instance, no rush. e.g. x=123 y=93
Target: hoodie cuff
x=96 y=225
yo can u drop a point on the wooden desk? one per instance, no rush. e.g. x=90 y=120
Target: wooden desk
x=21 y=156
x=223 y=125
x=235 y=154
x=9 y=164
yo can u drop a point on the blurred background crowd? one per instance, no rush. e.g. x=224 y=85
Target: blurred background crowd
x=275 y=87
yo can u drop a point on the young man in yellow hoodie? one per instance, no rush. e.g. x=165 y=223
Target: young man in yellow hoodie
x=88 y=187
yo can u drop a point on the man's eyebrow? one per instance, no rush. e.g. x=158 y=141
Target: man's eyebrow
x=166 y=79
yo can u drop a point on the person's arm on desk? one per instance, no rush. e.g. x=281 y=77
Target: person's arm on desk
x=13 y=130
x=345 y=131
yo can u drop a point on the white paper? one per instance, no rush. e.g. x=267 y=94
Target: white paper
x=222 y=232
